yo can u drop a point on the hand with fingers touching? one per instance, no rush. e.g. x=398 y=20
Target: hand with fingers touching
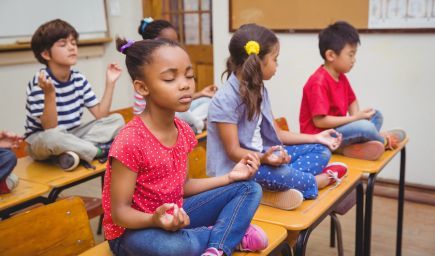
x=209 y=91
x=171 y=222
x=275 y=156
x=366 y=113
x=46 y=84
x=9 y=139
x=113 y=73
x=245 y=169
x=330 y=138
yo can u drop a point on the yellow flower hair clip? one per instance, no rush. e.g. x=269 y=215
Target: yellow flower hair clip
x=252 y=47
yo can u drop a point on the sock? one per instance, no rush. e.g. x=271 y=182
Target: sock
x=99 y=152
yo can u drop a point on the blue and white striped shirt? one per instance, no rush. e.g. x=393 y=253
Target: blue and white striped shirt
x=71 y=97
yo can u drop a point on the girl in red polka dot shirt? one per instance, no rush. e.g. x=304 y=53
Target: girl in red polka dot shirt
x=150 y=206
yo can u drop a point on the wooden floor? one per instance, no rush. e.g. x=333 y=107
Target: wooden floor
x=418 y=228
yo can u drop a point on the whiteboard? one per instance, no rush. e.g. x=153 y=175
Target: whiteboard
x=20 y=18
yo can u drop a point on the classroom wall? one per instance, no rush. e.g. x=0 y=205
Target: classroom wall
x=14 y=78
x=394 y=73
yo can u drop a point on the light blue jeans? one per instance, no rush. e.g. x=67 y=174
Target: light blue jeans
x=307 y=160
x=218 y=218
x=361 y=130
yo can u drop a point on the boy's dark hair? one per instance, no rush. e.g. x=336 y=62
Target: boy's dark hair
x=249 y=66
x=47 y=34
x=152 y=30
x=139 y=53
x=336 y=36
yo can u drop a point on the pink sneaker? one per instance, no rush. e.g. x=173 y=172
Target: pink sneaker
x=254 y=239
x=336 y=171
x=211 y=251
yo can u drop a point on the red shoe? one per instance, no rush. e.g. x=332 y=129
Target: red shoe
x=254 y=239
x=8 y=184
x=336 y=171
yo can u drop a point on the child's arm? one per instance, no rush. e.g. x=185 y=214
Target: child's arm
x=208 y=91
x=230 y=139
x=103 y=108
x=49 y=114
x=325 y=121
x=329 y=138
x=122 y=186
x=243 y=170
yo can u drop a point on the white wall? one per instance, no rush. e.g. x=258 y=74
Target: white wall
x=393 y=73
x=14 y=78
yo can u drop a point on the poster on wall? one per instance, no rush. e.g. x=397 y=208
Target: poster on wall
x=390 y=14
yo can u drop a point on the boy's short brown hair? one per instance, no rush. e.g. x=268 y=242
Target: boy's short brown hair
x=47 y=34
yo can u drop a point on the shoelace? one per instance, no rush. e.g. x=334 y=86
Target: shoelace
x=334 y=176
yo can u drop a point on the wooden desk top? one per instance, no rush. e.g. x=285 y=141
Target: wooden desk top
x=25 y=191
x=50 y=174
x=368 y=166
x=310 y=210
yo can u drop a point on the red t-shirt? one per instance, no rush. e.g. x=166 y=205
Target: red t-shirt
x=161 y=170
x=323 y=95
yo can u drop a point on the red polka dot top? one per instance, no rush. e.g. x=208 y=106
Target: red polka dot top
x=161 y=170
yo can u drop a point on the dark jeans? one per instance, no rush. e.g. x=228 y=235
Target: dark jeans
x=8 y=160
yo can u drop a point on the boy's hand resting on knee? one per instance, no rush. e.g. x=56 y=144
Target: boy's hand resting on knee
x=245 y=169
x=275 y=156
x=365 y=113
x=330 y=138
x=171 y=222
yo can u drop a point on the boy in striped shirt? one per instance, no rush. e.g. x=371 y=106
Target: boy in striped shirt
x=56 y=97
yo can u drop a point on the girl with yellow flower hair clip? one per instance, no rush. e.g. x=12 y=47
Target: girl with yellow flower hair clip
x=240 y=121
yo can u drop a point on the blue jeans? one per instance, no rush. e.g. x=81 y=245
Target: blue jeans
x=218 y=218
x=362 y=130
x=307 y=160
x=8 y=160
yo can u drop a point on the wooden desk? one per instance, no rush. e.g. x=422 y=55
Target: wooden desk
x=305 y=218
x=373 y=168
x=24 y=195
x=53 y=176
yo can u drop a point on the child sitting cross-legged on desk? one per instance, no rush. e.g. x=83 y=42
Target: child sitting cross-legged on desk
x=56 y=97
x=328 y=97
x=150 y=206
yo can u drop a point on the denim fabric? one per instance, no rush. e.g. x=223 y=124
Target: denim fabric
x=218 y=218
x=307 y=160
x=362 y=130
x=8 y=160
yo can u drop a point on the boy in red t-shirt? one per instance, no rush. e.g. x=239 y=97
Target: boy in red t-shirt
x=329 y=102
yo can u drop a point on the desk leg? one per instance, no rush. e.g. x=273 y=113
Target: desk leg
x=301 y=243
x=359 y=222
x=368 y=213
x=401 y=202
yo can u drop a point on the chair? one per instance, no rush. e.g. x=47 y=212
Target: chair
x=60 y=228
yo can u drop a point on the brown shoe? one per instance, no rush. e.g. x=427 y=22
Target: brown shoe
x=286 y=200
x=393 y=138
x=370 y=150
